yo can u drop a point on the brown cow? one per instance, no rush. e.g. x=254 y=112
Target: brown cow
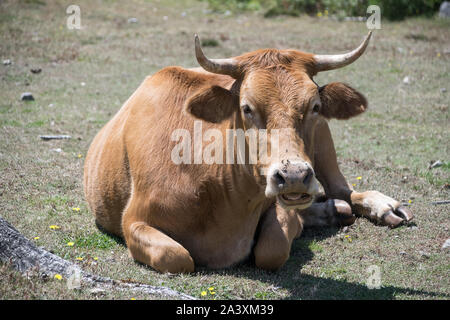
x=175 y=215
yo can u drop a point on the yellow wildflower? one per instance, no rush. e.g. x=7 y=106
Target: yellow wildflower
x=358 y=178
x=319 y=14
x=79 y=258
x=211 y=288
x=354 y=184
x=80 y=155
x=76 y=209
x=133 y=299
x=70 y=244
x=409 y=201
x=54 y=227
x=36 y=238
x=58 y=276
x=95 y=258
x=203 y=293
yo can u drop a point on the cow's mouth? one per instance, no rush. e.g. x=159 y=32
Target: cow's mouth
x=295 y=199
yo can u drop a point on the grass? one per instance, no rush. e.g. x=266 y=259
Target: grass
x=390 y=146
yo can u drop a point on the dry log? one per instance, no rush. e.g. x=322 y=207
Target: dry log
x=25 y=256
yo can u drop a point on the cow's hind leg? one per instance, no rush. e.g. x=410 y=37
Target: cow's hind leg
x=276 y=231
x=150 y=246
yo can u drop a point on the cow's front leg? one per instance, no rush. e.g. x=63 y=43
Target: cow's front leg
x=380 y=208
x=150 y=246
x=327 y=212
x=276 y=231
x=371 y=204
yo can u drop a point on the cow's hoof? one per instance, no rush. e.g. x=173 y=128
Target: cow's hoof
x=405 y=213
x=344 y=214
x=394 y=218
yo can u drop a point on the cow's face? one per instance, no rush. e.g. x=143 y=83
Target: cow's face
x=285 y=103
x=274 y=91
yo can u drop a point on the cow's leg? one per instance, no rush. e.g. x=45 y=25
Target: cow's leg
x=277 y=229
x=153 y=247
x=371 y=204
x=331 y=212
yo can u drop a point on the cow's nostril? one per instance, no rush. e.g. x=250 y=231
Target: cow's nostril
x=280 y=181
x=308 y=177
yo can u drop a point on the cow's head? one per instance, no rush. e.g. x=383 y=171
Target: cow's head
x=274 y=89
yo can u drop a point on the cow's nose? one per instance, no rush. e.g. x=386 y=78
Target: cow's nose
x=293 y=178
x=293 y=182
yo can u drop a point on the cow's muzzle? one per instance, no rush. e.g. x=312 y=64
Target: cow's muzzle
x=293 y=183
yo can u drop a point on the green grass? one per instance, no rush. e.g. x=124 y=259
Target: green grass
x=390 y=146
x=94 y=241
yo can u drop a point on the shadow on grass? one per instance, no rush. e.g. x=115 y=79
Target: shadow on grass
x=304 y=286
x=118 y=240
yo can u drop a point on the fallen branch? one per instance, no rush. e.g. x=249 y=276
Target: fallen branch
x=441 y=202
x=25 y=256
x=57 y=137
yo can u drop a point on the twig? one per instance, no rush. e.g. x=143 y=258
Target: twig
x=441 y=202
x=57 y=137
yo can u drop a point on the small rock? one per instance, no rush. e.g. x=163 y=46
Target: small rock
x=446 y=244
x=403 y=253
x=26 y=96
x=35 y=70
x=443 y=90
x=83 y=84
x=412 y=228
x=97 y=291
x=435 y=164
x=424 y=254
x=165 y=18
x=132 y=20
x=6 y=62
x=406 y=80
x=57 y=150
x=444 y=10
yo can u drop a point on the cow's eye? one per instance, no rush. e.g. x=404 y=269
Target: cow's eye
x=316 y=108
x=247 y=110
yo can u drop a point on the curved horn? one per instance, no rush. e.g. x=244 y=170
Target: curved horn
x=223 y=66
x=335 y=61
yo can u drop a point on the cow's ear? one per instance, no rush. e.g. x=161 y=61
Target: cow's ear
x=212 y=104
x=340 y=101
